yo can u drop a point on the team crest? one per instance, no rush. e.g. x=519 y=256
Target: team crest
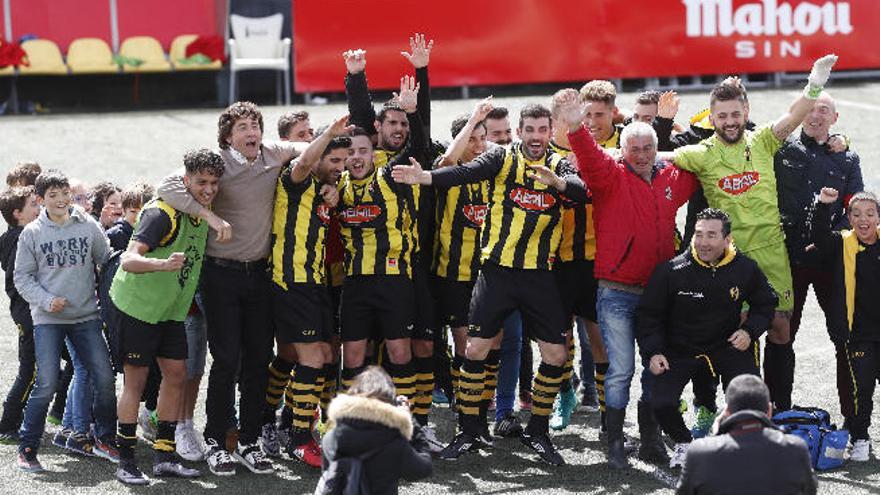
x=734 y=293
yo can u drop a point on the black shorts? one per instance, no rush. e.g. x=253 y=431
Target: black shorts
x=142 y=342
x=335 y=300
x=302 y=314
x=453 y=301
x=426 y=322
x=577 y=288
x=500 y=291
x=378 y=307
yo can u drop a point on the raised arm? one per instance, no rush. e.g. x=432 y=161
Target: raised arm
x=360 y=103
x=459 y=144
x=854 y=184
x=484 y=167
x=667 y=108
x=310 y=158
x=804 y=103
x=419 y=56
x=417 y=145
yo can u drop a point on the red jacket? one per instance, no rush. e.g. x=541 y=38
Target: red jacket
x=635 y=220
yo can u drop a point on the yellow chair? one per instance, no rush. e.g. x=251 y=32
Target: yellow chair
x=147 y=49
x=44 y=57
x=7 y=71
x=90 y=56
x=178 y=52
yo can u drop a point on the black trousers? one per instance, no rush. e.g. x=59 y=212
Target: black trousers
x=864 y=365
x=726 y=362
x=238 y=313
x=16 y=399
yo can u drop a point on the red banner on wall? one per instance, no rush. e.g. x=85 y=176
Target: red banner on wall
x=61 y=22
x=167 y=19
x=494 y=42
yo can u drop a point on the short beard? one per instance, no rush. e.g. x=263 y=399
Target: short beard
x=724 y=137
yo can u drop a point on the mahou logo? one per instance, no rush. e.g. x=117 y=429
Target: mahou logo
x=532 y=200
x=476 y=214
x=323 y=212
x=739 y=183
x=767 y=18
x=361 y=214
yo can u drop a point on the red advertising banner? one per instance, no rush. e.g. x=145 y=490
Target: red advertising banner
x=167 y=19
x=61 y=21
x=493 y=42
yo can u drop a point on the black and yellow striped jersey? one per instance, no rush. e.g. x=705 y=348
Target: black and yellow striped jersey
x=522 y=228
x=460 y=213
x=299 y=228
x=377 y=222
x=383 y=157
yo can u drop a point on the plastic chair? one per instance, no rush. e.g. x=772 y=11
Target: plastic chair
x=178 y=52
x=147 y=49
x=258 y=45
x=7 y=71
x=90 y=56
x=44 y=57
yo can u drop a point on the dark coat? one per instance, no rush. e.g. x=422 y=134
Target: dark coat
x=360 y=425
x=749 y=455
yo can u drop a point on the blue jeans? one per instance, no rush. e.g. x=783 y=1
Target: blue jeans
x=616 y=311
x=588 y=369
x=88 y=341
x=78 y=407
x=508 y=366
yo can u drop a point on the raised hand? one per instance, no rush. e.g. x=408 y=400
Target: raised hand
x=355 y=60
x=828 y=195
x=340 y=127
x=668 y=105
x=482 y=109
x=821 y=71
x=408 y=96
x=420 y=52
x=572 y=114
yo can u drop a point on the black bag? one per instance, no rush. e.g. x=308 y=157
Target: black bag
x=345 y=476
x=109 y=311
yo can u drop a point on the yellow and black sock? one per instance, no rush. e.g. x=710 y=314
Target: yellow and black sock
x=331 y=382
x=126 y=439
x=424 y=367
x=568 y=368
x=492 y=360
x=164 y=446
x=304 y=393
x=455 y=371
x=544 y=390
x=472 y=382
x=601 y=369
x=347 y=377
x=279 y=377
x=404 y=379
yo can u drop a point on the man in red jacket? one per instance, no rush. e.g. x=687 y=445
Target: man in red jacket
x=635 y=199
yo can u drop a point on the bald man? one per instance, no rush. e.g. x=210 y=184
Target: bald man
x=804 y=165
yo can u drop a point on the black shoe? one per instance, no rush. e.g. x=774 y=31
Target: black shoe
x=652 y=448
x=542 y=445
x=484 y=439
x=509 y=426
x=461 y=444
x=614 y=424
x=128 y=473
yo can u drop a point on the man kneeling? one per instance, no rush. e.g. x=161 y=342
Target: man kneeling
x=152 y=292
x=690 y=317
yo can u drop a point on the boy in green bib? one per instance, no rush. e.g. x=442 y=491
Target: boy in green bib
x=152 y=292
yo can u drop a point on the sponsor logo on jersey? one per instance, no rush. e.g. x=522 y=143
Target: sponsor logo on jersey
x=530 y=200
x=476 y=214
x=739 y=183
x=323 y=212
x=361 y=214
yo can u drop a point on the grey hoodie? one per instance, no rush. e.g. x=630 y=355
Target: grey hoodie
x=59 y=261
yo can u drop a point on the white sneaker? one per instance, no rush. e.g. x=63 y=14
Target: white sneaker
x=189 y=446
x=860 y=451
x=219 y=461
x=679 y=453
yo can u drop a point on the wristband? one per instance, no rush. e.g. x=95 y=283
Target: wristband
x=812 y=92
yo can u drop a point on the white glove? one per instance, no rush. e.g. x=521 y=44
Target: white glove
x=819 y=76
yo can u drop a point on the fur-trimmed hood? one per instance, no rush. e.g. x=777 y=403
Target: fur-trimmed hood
x=349 y=407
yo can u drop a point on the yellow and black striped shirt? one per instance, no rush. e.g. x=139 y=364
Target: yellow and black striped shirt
x=460 y=213
x=377 y=221
x=383 y=157
x=522 y=228
x=299 y=228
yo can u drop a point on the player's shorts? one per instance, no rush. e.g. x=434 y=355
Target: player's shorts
x=303 y=313
x=426 y=323
x=143 y=342
x=500 y=291
x=377 y=306
x=335 y=300
x=453 y=301
x=577 y=287
x=773 y=261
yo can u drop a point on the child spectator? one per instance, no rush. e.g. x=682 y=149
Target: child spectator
x=106 y=203
x=79 y=193
x=55 y=273
x=23 y=174
x=19 y=207
x=134 y=197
